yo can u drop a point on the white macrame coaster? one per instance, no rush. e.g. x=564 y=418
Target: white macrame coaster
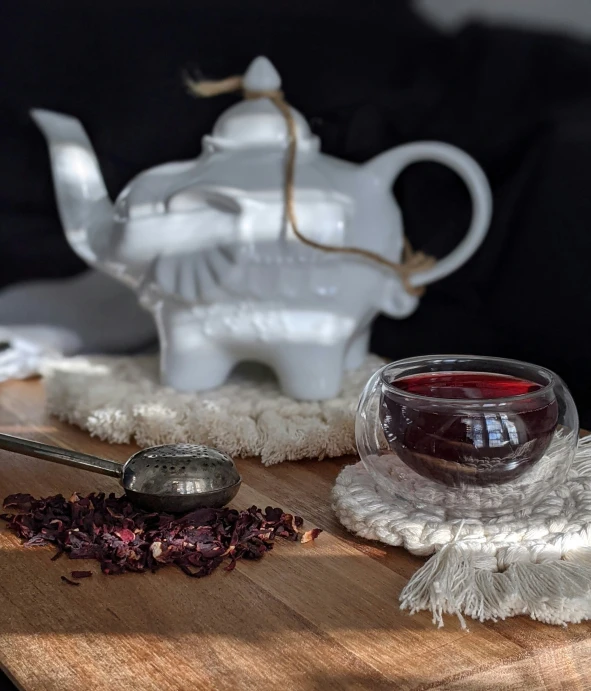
x=536 y=563
x=119 y=399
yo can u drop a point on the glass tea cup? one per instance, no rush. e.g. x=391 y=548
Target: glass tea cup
x=471 y=436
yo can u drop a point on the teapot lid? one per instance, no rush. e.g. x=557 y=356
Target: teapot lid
x=257 y=122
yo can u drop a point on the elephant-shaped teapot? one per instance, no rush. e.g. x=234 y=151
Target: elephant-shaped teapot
x=206 y=246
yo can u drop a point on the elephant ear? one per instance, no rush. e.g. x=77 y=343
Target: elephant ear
x=206 y=277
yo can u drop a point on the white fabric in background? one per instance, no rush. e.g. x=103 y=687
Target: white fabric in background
x=565 y=16
x=84 y=314
x=24 y=348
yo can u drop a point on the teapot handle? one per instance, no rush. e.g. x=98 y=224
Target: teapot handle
x=389 y=165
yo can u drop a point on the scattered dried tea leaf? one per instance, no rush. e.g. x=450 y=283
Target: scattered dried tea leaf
x=65 y=579
x=123 y=538
x=292 y=520
x=81 y=574
x=21 y=502
x=311 y=535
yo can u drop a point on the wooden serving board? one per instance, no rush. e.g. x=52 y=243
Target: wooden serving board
x=323 y=615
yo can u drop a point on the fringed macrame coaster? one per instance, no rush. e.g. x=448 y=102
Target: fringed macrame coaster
x=536 y=563
x=119 y=399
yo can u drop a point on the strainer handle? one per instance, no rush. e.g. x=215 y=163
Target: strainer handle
x=27 y=447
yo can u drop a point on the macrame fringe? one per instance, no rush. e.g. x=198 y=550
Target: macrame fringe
x=535 y=563
x=462 y=581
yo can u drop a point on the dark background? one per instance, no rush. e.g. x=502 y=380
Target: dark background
x=368 y=75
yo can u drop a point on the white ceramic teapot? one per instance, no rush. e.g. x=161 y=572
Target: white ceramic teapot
x=206 y=246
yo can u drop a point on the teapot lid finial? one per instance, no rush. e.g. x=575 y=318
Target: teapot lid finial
x=256 y=121
x=261 y=75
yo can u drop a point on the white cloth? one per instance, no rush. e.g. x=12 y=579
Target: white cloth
x=24 y=348
x=120 y=400
x=87 y=313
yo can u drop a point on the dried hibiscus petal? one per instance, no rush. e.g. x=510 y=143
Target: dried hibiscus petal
x=126 y=535
x=36 y=541
x=22 y=502
x=310 y=535
x=124 y=539
x=65 y=579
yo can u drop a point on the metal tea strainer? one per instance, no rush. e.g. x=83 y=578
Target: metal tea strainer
x=173 y=478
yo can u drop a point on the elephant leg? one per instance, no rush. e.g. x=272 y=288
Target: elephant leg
x=357 y=350
x=189 y=360
x=309 y=371
x=199 y=368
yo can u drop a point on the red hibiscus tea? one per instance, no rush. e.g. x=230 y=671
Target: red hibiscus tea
x=468 y=428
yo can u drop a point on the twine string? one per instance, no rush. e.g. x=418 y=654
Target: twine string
x=412 y=261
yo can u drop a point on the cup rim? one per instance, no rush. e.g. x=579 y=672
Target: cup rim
x=427 y=359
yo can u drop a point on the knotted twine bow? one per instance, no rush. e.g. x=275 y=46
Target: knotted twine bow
x=412 y=262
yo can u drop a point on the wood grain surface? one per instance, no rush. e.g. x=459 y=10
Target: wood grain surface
x=323 y=615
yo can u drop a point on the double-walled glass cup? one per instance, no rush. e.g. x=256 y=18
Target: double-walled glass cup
x=473 y=436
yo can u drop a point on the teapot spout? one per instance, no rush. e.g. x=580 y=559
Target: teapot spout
x=85 y=210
